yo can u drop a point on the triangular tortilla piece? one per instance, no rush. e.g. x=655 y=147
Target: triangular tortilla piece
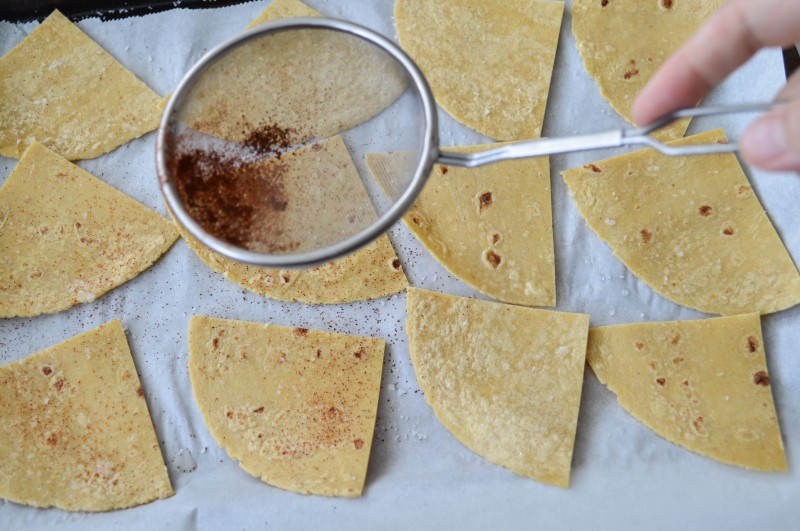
x=60 y=88
x=690 y=227
x=334 y=81
x=624 y=42
x=491 y=227
x=295 y=407
x=75 y=431
x=489 y=63
x=700 y=384
x=279 y=9
x=505 y=380
x=66 y=237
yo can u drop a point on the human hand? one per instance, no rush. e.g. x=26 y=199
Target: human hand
x=729 y=38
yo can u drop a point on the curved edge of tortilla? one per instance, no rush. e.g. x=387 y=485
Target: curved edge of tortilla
x=369 y=273
x=549 y=13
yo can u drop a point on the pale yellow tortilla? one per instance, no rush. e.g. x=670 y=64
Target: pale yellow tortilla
x=75 y=432
x=309 y=83
x=489 y=63
x=624 y=42
x=279 y=9
x=295 y=407
x=491 y=227
x=505 y=380
x=690 y=227
x=66 y=237
x=60 y=88
x=700 y=384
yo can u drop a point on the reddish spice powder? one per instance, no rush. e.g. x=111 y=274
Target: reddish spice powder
x=270 y=139
x=231 y=200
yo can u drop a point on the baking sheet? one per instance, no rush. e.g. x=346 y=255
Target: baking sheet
x=624 y=476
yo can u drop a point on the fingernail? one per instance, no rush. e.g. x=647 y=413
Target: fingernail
x=766 y=139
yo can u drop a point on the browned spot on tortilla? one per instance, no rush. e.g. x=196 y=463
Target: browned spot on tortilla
x=752 y=344
x=761 y=378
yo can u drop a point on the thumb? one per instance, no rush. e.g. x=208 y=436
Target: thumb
x=773 y=141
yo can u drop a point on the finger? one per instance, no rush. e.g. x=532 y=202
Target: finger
x=791 y=90
x=773 y=141
x=730 y=37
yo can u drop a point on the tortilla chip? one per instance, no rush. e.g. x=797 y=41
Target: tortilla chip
x=338 y=82
x=66 y=237
x=505 y=380
x=279 y=9
x=492 y=227
x=690 y=227
x=60 y=88
x=700 y=384
x=295 y=407
x=624 y=42
x=75 y=431
x=489 y=63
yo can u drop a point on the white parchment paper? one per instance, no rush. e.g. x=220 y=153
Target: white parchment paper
x=624 y=476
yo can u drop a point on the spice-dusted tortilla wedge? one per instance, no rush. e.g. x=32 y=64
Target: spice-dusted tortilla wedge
x=492 y=227
x=66 y=237
x=690 y=227
x=60 y=88
x=305 y=83
x=371 y=272
x=489 y=63
x=75 y=432
x=295 y=407
x=700 y=384
x=505 y=380
x=624 y=42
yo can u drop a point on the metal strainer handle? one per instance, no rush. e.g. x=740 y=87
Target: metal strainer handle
x=608 y=139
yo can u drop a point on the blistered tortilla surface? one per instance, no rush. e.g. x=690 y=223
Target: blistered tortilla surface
x=691 y=227
x=492 y=227
x=623 y=43
x=701 y=384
